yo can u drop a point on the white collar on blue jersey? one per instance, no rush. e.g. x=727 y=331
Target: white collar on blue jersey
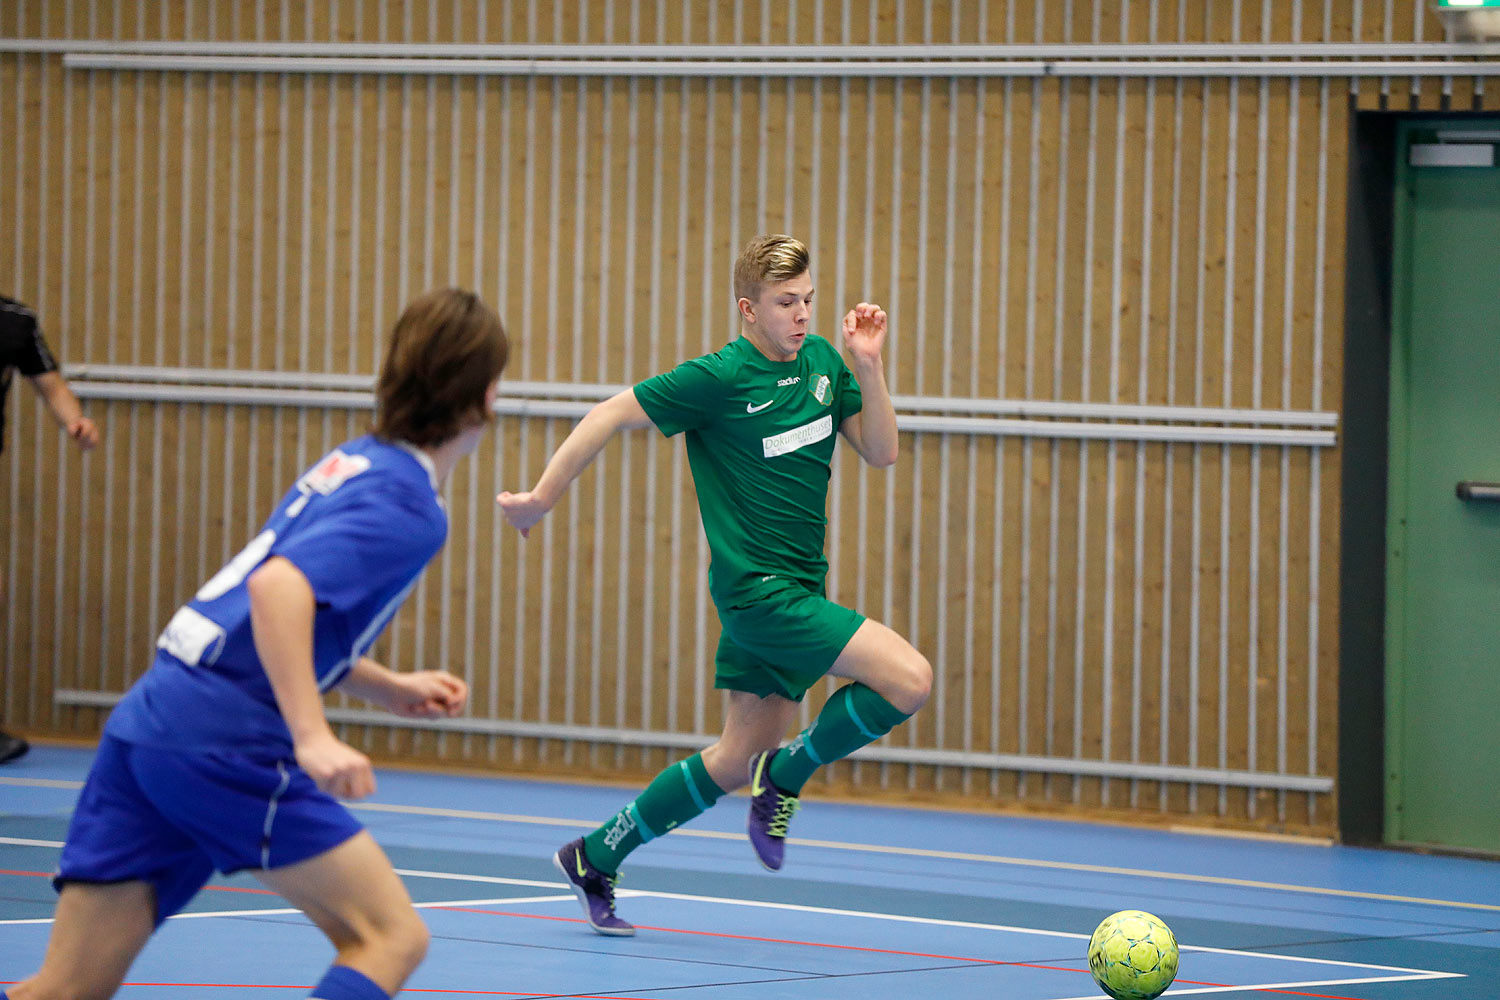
x=424 y=458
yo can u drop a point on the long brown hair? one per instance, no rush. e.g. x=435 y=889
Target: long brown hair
x=446 y=350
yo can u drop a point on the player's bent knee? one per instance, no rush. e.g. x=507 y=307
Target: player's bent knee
x=908 y=683
x=916 y=683
x=410 y=942
x=905 y=682
x=400 y=940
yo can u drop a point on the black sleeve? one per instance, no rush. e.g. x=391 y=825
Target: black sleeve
x=21 y=341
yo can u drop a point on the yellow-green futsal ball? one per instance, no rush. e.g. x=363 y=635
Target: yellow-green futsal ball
x=1133 y=955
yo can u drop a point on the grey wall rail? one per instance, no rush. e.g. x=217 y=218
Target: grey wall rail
x=874 y=754
x=659 y=68
x=352 y=392
x=753 y=53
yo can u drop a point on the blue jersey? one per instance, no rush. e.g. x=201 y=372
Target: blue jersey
x=361 y=525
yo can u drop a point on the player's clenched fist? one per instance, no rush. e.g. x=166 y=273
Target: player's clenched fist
x=522 y=510
x=336 y=767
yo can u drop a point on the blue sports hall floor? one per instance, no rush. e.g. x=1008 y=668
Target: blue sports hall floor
x=874 y=903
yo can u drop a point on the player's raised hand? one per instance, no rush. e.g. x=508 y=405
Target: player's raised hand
x=522 y=510
x=336 y=767
x=427 y=694
x=864 y=331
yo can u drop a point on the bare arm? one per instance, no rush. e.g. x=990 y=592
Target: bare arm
x=66 y=409
x=282 y=606
x=872 y=431
x=422 y=694
x=618 y=413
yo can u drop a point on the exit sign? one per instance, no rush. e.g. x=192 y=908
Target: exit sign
x=1465 y=4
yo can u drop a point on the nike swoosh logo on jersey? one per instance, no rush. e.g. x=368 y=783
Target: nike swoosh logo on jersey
x=757 y=409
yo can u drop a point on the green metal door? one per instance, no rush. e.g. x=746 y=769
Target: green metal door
x=1443 y=576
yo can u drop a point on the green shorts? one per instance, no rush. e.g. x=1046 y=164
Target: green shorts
x=781 y=637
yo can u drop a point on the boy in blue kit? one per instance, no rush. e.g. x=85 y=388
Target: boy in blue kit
x=220 y=757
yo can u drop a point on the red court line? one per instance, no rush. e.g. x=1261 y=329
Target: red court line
x=682 y=930
x=875 y=951
x=533 y=993
x=748 y=937
x=601 y=996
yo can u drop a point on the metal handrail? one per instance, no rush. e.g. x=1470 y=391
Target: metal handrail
x=242 y=395
x=873 y=753
x=751 y=53
x=770 y=69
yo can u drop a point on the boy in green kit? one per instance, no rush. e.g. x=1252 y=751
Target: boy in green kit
x=759 y=416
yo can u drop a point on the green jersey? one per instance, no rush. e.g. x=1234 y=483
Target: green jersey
x=760 y=437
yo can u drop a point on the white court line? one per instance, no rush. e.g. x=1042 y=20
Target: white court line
x=1285 y=986
x=47 y=920
x=42 y=783
x=568 y=898
x=928 y=921
x=23 y=842
x=911 y=852
x=288 y=911
x=921 y=852
x=1409 y=974
x=491 y=879
x=1012 y=929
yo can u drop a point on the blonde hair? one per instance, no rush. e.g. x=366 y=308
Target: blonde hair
x=765 y=259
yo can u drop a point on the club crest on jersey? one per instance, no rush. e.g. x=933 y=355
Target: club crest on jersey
x=328 y=475
x=821 y=386
x=331 y=473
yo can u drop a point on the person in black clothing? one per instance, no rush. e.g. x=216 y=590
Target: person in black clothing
x=23 y=350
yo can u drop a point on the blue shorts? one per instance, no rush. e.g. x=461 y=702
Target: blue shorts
x=170 y=817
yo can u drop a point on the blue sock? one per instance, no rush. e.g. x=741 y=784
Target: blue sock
x=344 y=983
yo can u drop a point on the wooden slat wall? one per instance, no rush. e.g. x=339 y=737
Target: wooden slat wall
x=1157 y=241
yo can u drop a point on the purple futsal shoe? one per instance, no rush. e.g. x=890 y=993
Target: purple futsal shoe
x=594 y=889
x=771 y=810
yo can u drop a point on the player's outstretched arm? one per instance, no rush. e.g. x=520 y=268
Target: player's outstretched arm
x=872 y=431
x=618 y=413
x=420 y=694
x=66 y=408
x=282 y=606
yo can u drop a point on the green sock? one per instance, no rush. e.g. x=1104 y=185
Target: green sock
x=853 y=717
x=680 y=792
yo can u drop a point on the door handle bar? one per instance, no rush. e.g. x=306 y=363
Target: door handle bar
x=1469 y=489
